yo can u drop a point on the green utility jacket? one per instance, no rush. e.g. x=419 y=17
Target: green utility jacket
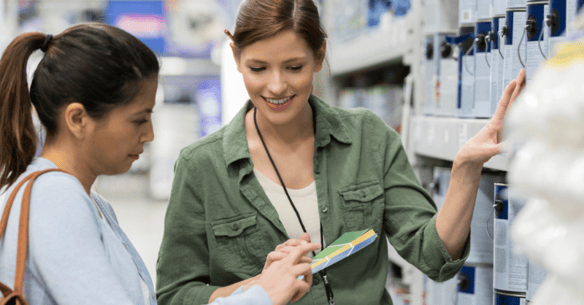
x=220 y=225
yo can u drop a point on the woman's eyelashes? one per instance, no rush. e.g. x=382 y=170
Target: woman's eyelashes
x=260 y=69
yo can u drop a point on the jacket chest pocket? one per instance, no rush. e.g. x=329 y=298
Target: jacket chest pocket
x=240 y=245
x=362 y=206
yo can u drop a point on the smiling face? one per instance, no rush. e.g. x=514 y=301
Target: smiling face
x=278 y=73
x=118 y=139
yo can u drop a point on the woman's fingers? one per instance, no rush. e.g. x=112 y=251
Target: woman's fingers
x=503 y=103
x=301 y=251
x=302 y=288
x=293 y=242
x=520 y=81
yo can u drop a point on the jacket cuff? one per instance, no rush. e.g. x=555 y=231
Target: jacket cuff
x=438 y=258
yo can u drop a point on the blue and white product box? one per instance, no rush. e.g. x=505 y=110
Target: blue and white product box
x=558 y=22
x=443 y=293
x=515 y=22
x=499 y=7
x=536 y=274
x=467 y=11
x=497 y=51
x=510 y=268
x=537 y=36
x=466 y=71
x=502 y=298
x=446 y=82
x=482 y=50
x=481 y=227
x=516 y=4
x=440 y=185
x=475 y=285
x=429 y=70
x=440 y=16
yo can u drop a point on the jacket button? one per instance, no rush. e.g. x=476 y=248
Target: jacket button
x=324 y=209
x=363 y=194
x=315 y=281
x=235 y=227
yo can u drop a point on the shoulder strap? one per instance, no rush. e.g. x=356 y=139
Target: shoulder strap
x=22 y=247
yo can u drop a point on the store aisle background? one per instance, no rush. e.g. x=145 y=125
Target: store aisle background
x=140 y=216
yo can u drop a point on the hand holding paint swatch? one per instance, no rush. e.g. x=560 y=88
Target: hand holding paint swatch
x=344 y=246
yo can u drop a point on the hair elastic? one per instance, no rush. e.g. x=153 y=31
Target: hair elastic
x=46 y=43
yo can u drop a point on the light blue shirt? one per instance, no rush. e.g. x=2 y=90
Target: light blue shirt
x=75 y=256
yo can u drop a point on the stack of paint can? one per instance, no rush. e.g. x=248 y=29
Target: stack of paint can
x=444 y=293
x=439 y=65
x=446 y=80
x=429 y=70
x=550 y=171
x=537 y=35
x=497 y=51
x=482 y=71
x=474 y=283
x=466 y=72
x=514 y=33
x=510 y=269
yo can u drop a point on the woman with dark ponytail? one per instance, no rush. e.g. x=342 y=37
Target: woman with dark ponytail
x=93 y=91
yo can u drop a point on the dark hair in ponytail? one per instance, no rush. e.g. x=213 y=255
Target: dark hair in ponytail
x=97 y=65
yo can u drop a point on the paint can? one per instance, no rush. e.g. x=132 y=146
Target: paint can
x=499 y=7
x=446 y=82
x=439 y=186
x=556 y=23
x=443 y=293
x=440 y=16
x=515 y=20
x=475 y=285
x=510 y=268
x=466 y=74
x=484 y=9
x=497 y=51
x=516 y=4
x=467 y=10
x=429 y=68
x=573 y=9
x=505 y=298
x=482 y=52
x=537 y=33
x=535 y=276
x=481 y=226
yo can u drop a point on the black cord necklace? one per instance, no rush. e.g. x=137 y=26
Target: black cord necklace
x=327 y=286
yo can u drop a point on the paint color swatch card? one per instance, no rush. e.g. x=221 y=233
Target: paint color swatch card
x=344 y=246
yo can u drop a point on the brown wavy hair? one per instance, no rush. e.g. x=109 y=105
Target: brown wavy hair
x=260 y=19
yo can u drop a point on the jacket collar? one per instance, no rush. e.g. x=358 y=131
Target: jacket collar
x=328 y=125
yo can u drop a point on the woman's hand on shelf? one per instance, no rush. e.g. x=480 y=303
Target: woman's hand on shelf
x=487 y=142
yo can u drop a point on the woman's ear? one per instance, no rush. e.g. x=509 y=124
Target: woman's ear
x=236 y=55
x=77 y=120
x=320 y=56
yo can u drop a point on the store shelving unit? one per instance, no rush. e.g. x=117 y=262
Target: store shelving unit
x=442 y=137
x=428 y=139
x=375 y=47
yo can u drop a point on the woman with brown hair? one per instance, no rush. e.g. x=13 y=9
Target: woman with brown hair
x=289 y=164
x=94 y=91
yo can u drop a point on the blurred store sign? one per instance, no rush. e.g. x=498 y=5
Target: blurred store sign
x=209 y=97
x=143 y=19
